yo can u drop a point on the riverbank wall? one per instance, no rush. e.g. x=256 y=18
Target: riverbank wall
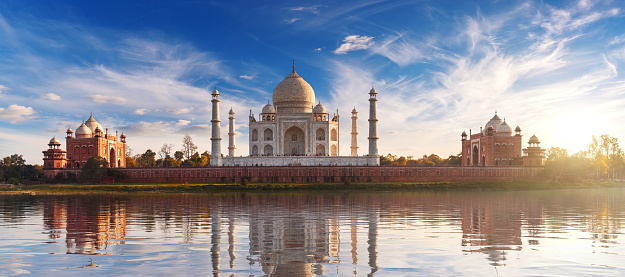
x=322 y=174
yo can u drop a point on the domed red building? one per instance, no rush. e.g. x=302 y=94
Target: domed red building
x=89 y=140
x=496 y=145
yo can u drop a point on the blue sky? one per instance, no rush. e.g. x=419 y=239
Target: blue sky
x=146 y=68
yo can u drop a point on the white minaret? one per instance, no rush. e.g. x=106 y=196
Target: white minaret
x=216 y=136
x=231 y=134
x=354 y=146
x=373 y=122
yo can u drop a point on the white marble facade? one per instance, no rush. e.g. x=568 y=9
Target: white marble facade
x=293 y=131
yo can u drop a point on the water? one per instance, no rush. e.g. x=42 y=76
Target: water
x=550 y=232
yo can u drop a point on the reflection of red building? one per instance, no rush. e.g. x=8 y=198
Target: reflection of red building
x=90 y=141
x=90 y=225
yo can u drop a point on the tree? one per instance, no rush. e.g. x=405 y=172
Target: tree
x=188 y=147
x=147 y=158
x=179 y=156
x=165 y=150
x=556 y=153
x=95 y=168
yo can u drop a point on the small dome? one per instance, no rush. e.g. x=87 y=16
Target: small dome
x=517 y=129
x=293 y=95
x=123 y=135
x=464 y=134
x=69 y=131
x=372 y=91
x=54 y=141
x=504 y=129
x=319 y=109
x=98 y=130
x=83 y=131
x=215 y=92
x=534 y=139
x=269 y=109
x=231 y=111
x=493 y=122
x=354 y=110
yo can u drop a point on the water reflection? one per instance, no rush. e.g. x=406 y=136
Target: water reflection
x=309 y=234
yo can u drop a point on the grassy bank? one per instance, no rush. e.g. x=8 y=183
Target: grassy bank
x=206 y=188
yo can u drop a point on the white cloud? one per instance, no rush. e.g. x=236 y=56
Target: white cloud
x=98 y=98
x=354 y=42
x=51 y=96
x=180 y=111
x=618 y=39
x=293 y=20
x=141 y=111
x=246 y=77
x=182 y=122
x=3 y=89
x=318 y=49
x=16 y=113
x=399 y=49
x=311 y=9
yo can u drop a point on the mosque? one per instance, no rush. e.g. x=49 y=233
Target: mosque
x=91 y=140
x=495 y=145
x=294 y=131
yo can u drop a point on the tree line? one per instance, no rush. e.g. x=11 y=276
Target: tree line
x=186 y=156
x=603 y=159
x=431 y=159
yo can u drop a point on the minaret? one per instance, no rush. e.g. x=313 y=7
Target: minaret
x=354 y=146
x=231 y=133
x=373 y=122
x=216 y=137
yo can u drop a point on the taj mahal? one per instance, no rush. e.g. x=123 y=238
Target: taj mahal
x=293 y=131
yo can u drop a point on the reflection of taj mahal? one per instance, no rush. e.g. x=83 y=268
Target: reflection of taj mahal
x=294 y=131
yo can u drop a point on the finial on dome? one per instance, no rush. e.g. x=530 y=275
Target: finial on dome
x=293 y=65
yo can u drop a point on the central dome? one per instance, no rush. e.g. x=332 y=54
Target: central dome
x=293 y=95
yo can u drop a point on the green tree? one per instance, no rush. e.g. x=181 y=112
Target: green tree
x=95 y=168
x=147 y=158
x=179 y=155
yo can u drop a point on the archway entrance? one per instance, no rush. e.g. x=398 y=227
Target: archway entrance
x=476 y=156
x=294 y=141
x=113 y=158
x=321 y=150
x=268 y=150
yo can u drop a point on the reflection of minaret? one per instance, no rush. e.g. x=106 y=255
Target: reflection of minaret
x=373 y=244
x=215 y=240
x=231 y=242
x=354 y=226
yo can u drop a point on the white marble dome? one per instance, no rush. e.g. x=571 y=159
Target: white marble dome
x=534 y=139
x=83 y=131
x=54 y=141
x=493 y=122
x=269 y=109
x=293 y=95
x=319 y=109
x=92 y=124
x=504 y=129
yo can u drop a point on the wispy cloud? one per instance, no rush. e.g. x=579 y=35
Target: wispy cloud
x=618 y=39
x=354 y=42
x=141 y=111
x=292 y=20
x=16 y=113
x=400 y=49
x=99 y=98
x=180 y=111
x=3 y=89
x=246 y=77
x=182 y=122
x=51 y=96
x=310 y=9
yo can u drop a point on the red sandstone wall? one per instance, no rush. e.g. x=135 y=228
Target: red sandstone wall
x=318 y=174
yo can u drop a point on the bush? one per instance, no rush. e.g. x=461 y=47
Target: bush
x=14 y=181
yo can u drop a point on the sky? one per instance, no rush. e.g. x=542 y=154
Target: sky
x=146 y=68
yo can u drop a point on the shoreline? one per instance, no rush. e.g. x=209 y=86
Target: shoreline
x=291 y=187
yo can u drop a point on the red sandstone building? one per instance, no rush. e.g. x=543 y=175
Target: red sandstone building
x=90 y=141
x=495 y=145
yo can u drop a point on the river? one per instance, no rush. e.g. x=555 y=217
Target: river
x=507 y=233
